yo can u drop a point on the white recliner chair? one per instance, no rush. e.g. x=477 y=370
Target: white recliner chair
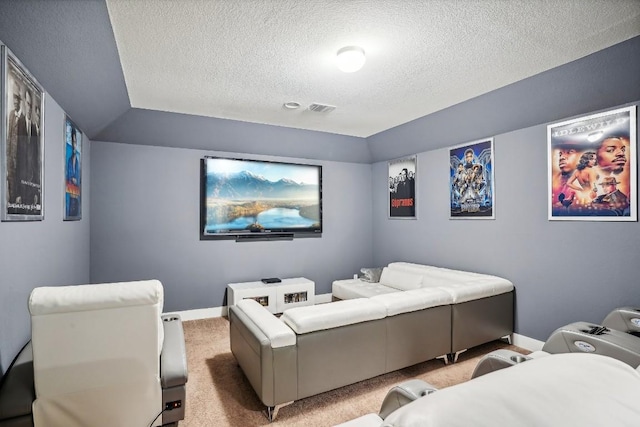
x=553 y=390
x=97 y=353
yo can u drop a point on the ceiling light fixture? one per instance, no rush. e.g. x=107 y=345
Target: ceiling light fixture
x=291 y=105
x=351 y=59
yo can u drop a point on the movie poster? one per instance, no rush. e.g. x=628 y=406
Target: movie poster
x=592 y=167
x=72 y=171
x=22 y=142
x=402 y=188
x=471 y=180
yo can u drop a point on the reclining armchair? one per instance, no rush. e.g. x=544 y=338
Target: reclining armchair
x=554 y=390
x=103 y=355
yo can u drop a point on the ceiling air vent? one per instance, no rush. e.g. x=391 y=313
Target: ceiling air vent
x=321 y=108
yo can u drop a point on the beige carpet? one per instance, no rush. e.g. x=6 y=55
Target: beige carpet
x=219 y=395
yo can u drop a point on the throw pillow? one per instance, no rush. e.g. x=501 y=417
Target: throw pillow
x=370 y=274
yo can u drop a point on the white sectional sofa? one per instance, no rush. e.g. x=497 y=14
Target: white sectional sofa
x=481 y=304
x=313 y=349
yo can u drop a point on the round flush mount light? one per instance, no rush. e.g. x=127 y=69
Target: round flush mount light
x=291 y=105
x=351 y=59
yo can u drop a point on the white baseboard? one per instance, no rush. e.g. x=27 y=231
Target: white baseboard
x=527 y=343
x=206 y=313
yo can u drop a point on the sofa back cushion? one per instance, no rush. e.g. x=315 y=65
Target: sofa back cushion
x=401 y=280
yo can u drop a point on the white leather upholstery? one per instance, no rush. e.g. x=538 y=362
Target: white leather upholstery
x=96 y=354
x=339 y=313
x=558 y=390
x=417 y=299
x=356 y=288
x=463 y=286
x=399 y=279
x=279 y=334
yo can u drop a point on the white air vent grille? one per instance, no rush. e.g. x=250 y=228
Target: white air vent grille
x=321 y=108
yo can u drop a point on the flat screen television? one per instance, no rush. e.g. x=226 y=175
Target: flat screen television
x=259 y=200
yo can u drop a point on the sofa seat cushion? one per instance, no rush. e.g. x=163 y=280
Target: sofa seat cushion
x=356 y=288
x=279 y=334
x=417 y=299
x=332 y=315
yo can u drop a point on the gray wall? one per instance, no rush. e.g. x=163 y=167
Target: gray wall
x=42 y=253
x=563 y=271
x=145 y=224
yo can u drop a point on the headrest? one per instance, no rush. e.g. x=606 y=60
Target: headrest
x=64 y=299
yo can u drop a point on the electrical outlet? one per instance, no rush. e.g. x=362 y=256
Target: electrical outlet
x=173 y=405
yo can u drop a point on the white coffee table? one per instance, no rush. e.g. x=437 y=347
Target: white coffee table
x=276 y=297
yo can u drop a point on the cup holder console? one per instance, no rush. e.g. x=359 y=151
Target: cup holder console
x=519 y=358
x=583 y=337
x=498 y=359
x=595 y=330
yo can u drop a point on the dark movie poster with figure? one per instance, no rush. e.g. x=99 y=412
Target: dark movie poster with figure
x=402 y=188
x=592 y=167
x=471 y=180
x=22 y=142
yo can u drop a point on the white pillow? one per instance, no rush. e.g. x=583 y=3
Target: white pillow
x=400 y=280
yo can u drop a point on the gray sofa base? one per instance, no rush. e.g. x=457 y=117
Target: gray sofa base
x=328 y=359
x=481 y=321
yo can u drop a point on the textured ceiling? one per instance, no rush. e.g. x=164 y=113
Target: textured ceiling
x=243 y=59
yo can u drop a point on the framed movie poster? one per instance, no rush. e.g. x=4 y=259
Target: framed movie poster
x=72 y=171
x=592 y=167
x=402 y=188
x=22 y=141
x=471 y=180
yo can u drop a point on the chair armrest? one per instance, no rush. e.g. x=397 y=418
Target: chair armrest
x=173 y=359
x=404 y=393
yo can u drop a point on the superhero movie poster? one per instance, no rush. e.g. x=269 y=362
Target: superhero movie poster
x=471 y=180
x=402 y=188
x=592 y=167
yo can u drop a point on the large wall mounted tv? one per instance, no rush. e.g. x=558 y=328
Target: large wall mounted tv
x=250 y=200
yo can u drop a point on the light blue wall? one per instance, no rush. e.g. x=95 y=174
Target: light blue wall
x=563 y=271
x=42 y=253
x=145 y=224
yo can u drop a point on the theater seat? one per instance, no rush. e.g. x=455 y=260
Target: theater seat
x=97 y=353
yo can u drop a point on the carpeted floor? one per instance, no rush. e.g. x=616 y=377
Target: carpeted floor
x=219 y=395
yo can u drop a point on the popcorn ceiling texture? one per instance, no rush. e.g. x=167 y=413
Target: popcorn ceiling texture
x=242 y=60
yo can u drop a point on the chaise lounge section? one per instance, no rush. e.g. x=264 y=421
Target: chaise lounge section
x=482 y=305
x=314 y=349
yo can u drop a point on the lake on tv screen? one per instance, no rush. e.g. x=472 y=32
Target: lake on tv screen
x=274 y=218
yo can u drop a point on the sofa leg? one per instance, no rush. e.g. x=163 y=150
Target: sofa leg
x=272 y=411
x=445 y=358
x=454 y=356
